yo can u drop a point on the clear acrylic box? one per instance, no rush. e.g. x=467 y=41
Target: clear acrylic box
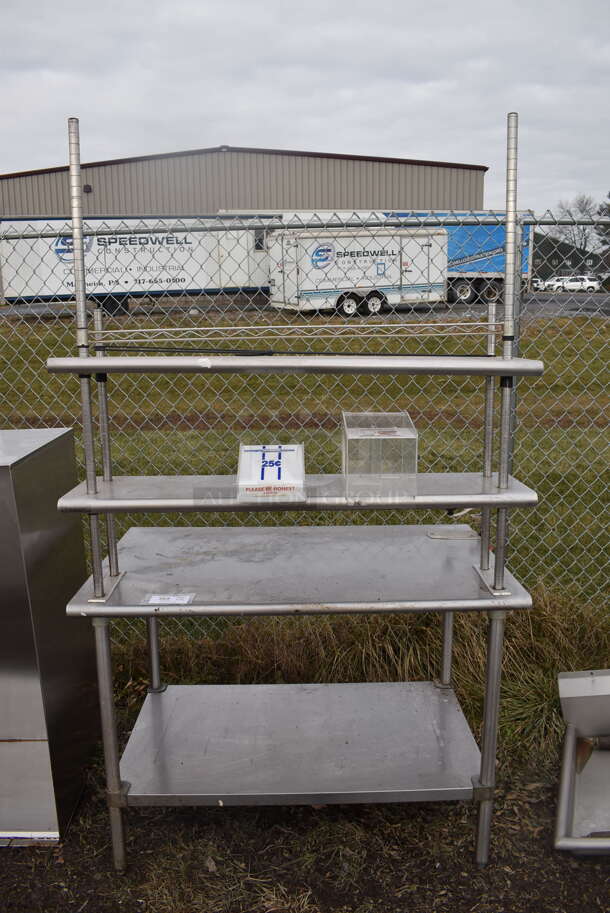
x=379 y=454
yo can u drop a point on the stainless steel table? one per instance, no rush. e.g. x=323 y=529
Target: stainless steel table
x=296 y=744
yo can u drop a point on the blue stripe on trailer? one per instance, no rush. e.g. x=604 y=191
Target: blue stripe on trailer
x=474 y=248
x=165 y=292
x=421 y=287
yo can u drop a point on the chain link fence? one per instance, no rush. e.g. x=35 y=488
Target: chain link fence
x=383 y=283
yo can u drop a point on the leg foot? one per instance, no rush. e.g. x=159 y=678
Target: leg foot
x=484 y=832
x=117 y=831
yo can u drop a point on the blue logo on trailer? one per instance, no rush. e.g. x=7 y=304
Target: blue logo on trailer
x=323 y=256
x=64 y=249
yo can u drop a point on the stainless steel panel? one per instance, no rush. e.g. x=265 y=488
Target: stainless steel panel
x=279 y=744
x=288 y=570
x=46 y=661
x=17 y=444
x=27 y=803
x=585 y=701
x=583 y=807
x=592 y=797
x=179 y=493
x=21 y=709
x=299 y=364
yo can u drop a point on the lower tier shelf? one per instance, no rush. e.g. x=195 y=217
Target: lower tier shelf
x=299 y=744
x=290 y=570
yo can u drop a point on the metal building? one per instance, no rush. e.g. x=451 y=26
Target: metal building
x=202 y=181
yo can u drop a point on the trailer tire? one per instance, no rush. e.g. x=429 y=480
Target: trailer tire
x=373 y=304
x=348 y=306
x=462 y=291
x=114 y=305
x=491 y=291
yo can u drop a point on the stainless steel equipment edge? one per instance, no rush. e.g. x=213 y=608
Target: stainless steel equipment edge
x=300 y=364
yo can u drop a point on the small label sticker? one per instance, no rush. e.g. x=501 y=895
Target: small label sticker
x=169 y=599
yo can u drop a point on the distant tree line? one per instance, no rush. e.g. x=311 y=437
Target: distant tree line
x=603 y=231
x=583 y=237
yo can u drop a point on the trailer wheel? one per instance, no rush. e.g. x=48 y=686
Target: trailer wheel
x=491 y=292
x=114 y=305
x=348 y=306
x=373 y=304
x=462 y=290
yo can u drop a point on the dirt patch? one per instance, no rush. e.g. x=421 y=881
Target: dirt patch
x=340 y=859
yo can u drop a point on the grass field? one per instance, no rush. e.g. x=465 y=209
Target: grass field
x=185 y=424
x=358 y=859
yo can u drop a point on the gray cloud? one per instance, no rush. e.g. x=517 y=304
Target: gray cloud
x=388 y=78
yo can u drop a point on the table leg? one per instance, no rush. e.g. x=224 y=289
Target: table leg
x=154 y=662
x=487 y=779
x=445 y=679
x=114 y=790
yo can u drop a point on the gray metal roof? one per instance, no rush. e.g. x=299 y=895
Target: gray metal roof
x=250 y=149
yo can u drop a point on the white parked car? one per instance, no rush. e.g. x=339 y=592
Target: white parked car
x=573 y=284
x=550 y=284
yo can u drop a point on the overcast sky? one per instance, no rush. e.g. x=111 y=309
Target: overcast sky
x=411 y=79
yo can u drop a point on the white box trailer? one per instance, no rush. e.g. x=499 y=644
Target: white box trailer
x=356 y=271
x=130 y=258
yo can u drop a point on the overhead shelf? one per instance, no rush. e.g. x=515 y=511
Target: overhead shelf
x=323 y=492
x=290 y=570
x=487 y=366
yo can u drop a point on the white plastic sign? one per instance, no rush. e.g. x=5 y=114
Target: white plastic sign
x=271 y=471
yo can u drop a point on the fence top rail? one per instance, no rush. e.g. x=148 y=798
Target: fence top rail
x=206 y=224
x=490 y=366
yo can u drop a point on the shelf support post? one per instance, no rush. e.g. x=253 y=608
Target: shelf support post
x=154 y=663
x=82 y=342
x=488 y=441
x=102 y=398
x=114 y=787
x=445 y=679
x=507 y=384
x=487 y=777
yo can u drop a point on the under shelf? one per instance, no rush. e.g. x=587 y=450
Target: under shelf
x=486 y=366
x=323 y=492
x=299 y=744
x=290 y=570
x=583 y=811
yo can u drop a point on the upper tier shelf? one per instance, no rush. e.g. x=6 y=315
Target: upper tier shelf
x=323 y=492
x=490 y=366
